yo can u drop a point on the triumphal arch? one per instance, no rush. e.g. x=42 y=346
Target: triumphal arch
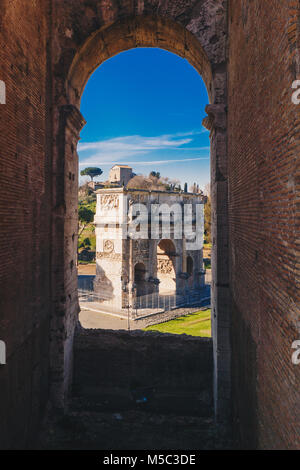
x=247 y=52
x=147 y=242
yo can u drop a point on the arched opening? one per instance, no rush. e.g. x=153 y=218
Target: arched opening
x=140 y=279
x=166 y=266
x=141 y=31
x=149 y=31
x=112 y=107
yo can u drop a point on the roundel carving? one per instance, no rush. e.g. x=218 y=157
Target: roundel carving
x=108 y=246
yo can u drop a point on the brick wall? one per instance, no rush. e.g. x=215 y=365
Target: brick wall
x=264 y=219
x=24 y=221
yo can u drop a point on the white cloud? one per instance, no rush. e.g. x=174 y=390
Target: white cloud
x=115 y=150
x=162 y=162
x=134 y=143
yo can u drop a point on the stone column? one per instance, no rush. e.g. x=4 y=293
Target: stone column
x=184 y=261
x=68 y=124
x=216 y=122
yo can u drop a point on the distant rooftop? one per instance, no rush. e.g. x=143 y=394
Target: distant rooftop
x=122 y=166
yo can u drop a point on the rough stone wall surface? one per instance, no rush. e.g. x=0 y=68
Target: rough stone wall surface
x=25 y=221
x=264 y=219
x=105 y=358
x=74 y=23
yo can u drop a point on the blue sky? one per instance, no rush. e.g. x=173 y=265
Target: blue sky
x=144 y=107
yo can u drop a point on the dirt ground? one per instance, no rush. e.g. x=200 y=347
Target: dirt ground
x=87 y=269
x=92 y=319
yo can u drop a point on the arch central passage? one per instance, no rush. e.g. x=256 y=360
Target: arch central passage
x=140 y=279
x=115 y=37
x=166 y=268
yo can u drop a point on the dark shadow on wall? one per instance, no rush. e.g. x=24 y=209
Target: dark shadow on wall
x=140 y=279
x=103 y=286
x=244 y=382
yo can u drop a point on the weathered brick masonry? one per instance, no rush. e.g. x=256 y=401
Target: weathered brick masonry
x=264 y=184
x=48 y=51
x=25 y=216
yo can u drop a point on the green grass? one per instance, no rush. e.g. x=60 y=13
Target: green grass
x=89 y=231
x=207 y=246
x=88 y=234
x=194 y=324
x=207 y=263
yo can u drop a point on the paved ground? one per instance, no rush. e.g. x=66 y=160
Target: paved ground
x=91 y=319
x=105 y=321
x=87 y=269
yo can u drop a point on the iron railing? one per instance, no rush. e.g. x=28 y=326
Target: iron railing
x=145 y=305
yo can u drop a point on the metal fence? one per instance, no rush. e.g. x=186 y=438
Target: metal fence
x=90 y=300
x=145 y=305
x=167 y=301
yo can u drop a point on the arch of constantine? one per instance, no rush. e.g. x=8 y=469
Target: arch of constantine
x=247 y=52
x=133 y=265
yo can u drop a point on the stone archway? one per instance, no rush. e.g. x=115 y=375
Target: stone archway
x=202 y=43
x=166 y=266
x=140 y=279
x=144 y=31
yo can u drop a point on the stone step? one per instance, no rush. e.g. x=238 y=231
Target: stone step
x=131 y=430
x=181 y=403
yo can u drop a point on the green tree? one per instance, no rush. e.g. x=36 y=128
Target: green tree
x=91 y=172
x=154 y=174
x=85 y=216
x=207 y=220
x=87 y=242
